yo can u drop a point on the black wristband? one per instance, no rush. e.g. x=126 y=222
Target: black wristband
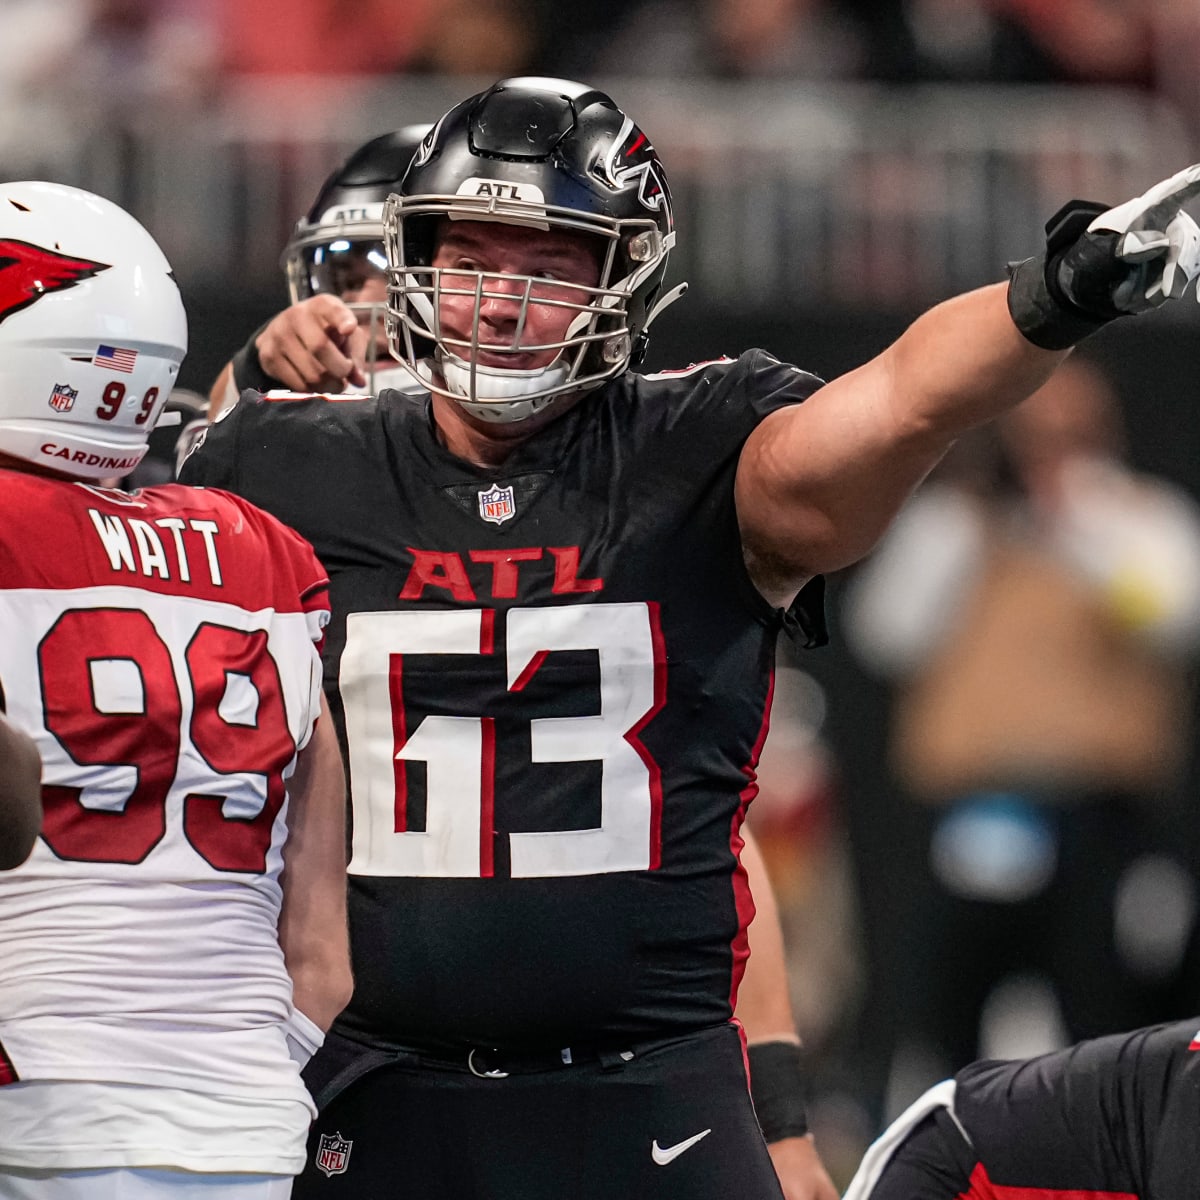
x=1043 y=319
x=778 y=1090
x=1044 y=306
x=248 y=371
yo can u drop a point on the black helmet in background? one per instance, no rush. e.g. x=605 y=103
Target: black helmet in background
x=347 y=215
x=337 y=247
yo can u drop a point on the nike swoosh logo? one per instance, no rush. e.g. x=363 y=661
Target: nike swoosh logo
x=663 y=1155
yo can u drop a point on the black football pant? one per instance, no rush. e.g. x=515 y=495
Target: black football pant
x=672 y=1122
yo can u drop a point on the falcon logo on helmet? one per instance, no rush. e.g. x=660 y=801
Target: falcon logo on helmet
x=631 y=158
x=28 y=272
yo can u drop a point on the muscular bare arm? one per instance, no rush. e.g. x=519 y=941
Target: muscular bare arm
x=818 y=483
x=20 y=795
x=312 y=923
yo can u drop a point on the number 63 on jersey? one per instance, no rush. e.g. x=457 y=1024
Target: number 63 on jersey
x=459 y=752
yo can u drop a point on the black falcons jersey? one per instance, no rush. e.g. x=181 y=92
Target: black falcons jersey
x=553 y=680
x=1114 y=1116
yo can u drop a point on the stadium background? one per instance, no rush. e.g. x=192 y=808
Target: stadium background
x=837 y=167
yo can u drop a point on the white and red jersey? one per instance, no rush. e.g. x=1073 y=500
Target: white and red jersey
x=164 y=650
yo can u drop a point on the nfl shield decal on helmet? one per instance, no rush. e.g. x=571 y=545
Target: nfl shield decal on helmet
x=333 y=1154
x=62 y=399
x=497 y=505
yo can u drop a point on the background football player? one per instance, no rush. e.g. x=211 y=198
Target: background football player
x=1111 y=1116
x=175 y=943
x=331 y=338
x=557 y=589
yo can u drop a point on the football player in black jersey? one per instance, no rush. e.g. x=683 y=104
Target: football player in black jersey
x=20 y=795
x=1110 y=1117
x=557 y=586
x=331 y=337
x=335 y=280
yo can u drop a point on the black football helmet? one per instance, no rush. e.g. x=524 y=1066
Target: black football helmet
x=338 y=245
x=347 y=215
x=549 y=154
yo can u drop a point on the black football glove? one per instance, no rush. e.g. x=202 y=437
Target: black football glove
x=1101 y=263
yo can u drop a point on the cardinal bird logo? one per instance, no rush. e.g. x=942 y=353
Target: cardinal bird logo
x=28 y=272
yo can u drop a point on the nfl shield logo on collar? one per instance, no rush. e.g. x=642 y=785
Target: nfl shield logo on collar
x=333 y=1154
x=62 y=399
x=497 y=505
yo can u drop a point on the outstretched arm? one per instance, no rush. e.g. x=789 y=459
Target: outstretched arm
x=20 y=795
x=817 y=484
x=765 y=1010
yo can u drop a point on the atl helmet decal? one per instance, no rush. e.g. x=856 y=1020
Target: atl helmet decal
x=629 y=158
x=28 y=272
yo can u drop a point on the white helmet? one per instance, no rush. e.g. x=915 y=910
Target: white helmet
x=92 y=331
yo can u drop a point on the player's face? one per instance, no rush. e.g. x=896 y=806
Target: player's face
x=562 y=266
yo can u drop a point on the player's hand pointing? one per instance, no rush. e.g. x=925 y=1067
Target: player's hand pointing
x=1102 y=263
x=316 y=345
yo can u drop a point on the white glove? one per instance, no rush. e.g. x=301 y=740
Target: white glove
x=1156 y=234
x=1102 y=263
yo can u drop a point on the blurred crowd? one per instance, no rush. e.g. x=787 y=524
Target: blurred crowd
x=189 y=45
x=1004 y=829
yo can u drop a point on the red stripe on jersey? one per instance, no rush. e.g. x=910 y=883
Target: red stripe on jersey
x=487 y=799
x=743 y=900
x=8 y=1073
x=531 y=669
x=633 y=737
x=982 y=1188
x=487 y=781
x=399 y=737
x=745 y=1045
